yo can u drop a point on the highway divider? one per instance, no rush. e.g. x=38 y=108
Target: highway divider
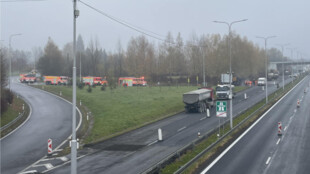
x=203 y=150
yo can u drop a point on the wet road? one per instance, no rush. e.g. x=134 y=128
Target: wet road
x=50 y=118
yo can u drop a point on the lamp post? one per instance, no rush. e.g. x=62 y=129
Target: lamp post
x=282 y=47
x=73 y=141
x=10 y=64
x=292 y=50
x=229 y=32
x=266 y=38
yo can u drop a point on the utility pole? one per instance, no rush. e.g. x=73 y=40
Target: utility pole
x=230 y=75
x=265 y=39
x=73 y=141
x=10 y=56
x=282 y=47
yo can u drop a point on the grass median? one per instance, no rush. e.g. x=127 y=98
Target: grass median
x=122 y=109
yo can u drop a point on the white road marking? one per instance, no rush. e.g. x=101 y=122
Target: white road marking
x=285 y=128
x=64 y=159
x=278 y=141
x=47 y=165
x=268 y=160
x=181 y=128
x=203 y=118
x=152 y=143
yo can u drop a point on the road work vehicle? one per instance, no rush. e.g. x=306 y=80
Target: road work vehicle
x=198 y=100
x=223 y=92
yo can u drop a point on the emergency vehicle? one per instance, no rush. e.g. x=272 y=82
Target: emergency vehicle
x=94 y=81
x=132 y=81
x=27 y=78
x=56 y=80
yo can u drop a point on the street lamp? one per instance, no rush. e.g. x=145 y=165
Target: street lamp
x=266 y=38
x=229 y=32
x=282 y=47
x=10 y=64
x=73 y=141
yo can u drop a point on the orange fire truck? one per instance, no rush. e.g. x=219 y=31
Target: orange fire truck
x=89 y=80
x=27 y=78
x=56 y=80
x=132 y=81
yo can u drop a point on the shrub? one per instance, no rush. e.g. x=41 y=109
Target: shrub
x=89 y=89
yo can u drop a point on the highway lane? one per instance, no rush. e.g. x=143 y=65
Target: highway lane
x=262 y=151
x=50 y=118
x=140 y=148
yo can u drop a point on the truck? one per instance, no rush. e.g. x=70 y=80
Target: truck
x=132 y=81
x=89 y=80
x=223 y=92
x=225 y=78
x=56 y=80
x=198 y=100
x=27 y=78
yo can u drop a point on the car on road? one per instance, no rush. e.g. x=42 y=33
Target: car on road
x=261 y=81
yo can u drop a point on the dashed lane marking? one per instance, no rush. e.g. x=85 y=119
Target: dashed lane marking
x=47 y=165
x=203 y=118
x=268 y=160
x=278 y=141
x=181 y=128
x=152 y=143
x=285 y=128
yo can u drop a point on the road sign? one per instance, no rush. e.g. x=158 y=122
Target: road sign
x=221 y=109
x=49 y=146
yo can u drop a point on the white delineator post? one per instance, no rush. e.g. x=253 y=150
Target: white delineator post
x=208 y=113
x=279 y=129
x=160 y=135
x=49 y=147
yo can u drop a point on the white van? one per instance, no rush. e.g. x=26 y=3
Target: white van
x=261 y=81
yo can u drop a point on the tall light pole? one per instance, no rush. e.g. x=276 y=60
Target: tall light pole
x=73 y=141
x=10 y=56
x=282 y=47
x=229 y=33
x=292 y=50
x=203 y=67
x=266 y=38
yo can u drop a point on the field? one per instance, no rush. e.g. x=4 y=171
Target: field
x=124 y=109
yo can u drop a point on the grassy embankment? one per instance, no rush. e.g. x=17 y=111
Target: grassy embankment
x=207 y=157
x=123 y=109
x=13 y=111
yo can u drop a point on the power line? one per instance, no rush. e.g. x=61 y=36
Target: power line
x=122 y=22
x=20 y=0
x=138 y=29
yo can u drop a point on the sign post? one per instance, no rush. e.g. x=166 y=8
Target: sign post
x=221 y=112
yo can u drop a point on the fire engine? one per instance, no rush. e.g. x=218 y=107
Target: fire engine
x=94 y=81
x=56 y=80
x=27 y=78
x=132 y=81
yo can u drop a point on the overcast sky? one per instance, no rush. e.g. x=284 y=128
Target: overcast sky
x=289 y=20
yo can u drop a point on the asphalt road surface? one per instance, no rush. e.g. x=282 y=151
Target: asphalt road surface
x=262 y=151
x=138 y=150
x=50 y=118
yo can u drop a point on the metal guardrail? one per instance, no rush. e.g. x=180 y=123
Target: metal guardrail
x=170 y=158
x=13 y=121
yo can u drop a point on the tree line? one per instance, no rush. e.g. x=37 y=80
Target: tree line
x=172 y=61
